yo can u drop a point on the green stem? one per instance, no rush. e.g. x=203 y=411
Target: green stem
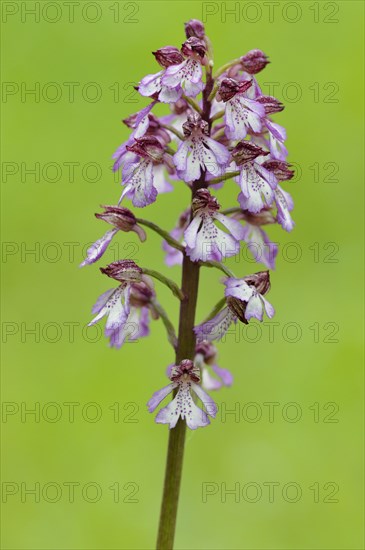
x=217 y=115
x=229 y=211
x=175 y=454
x=227 y=176
x=173 y=131
x=185 y=350
x=227 y=66
x=220 y=266
x=193 y=104
x=166 y=281
x=219 y=305
x=171 y=334
x=164 y=234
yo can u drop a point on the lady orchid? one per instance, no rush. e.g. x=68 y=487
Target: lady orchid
x=218 y=132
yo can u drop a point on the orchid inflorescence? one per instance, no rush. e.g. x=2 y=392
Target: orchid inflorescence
x=218 y=129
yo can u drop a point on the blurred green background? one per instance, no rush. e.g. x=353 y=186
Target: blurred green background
x=112 y=453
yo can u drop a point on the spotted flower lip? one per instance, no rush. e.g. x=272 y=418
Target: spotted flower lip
x=143 y=171
x=199 y=152
x=127 y=318
x=284 y=204
x=256 y=182
x=204 y=240
x=242 y=114
x=184 y=78
x=185 y=378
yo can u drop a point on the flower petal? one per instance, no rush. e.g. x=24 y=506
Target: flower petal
x=215 y=328
x=97 y=249
x=159 y=396
x=254 y=308
x=207 y=401
x=224 y=374
x=233 y=226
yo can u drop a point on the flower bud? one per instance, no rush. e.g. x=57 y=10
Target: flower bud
x=194 y=27
x=279 y=168
x=121 y=218
x=193 y=47
x=203 y=199
x=185 y=369
x=270 y=104
x=229 y=87
x=254 y=61
x=246 y=152
x=147 y=147
x=195 y=122
x=168 y=55
x=123 y=270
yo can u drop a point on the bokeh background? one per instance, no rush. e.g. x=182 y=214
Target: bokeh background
x=109 y=453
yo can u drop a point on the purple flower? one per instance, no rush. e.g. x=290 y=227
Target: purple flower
x=245 y=299
x=248 y=296
x=204 y=240
x=142 y=174
x=152 y=85
x=127 y=306
x=241 y=113
x=199 y=151
x=186 y=77
x=123 y=220
x=184 y=377
x=262 y=249
x=213 y=377
x=256 y=182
